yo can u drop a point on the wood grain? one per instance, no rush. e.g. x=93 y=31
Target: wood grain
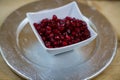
x=110 y=9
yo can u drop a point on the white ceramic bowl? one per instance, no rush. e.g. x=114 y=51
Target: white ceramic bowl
x=71 y=10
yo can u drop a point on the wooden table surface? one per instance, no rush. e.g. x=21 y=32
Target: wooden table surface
x=110 y=9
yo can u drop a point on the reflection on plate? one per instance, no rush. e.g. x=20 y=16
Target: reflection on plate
x=30 y=60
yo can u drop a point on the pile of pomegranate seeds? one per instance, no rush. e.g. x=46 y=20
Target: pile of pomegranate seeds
x=57 y=32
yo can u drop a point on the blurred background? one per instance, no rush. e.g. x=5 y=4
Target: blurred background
x=109 y=8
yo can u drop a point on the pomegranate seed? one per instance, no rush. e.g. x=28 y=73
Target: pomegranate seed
x=47 y=43
x=73 y=33
x=70 y=43
x=43 y=38
x=68 y=18
x=78 y=24
x=48 y=28
x=61 y=28
x=57 y=37
x=72 y=37
x=54 y=17
x=55 y=43
x=68 y=31
x=84 y=24
x=62 y=37
x=52 y=40
x=48 y=32
x=67 y=22
x=63 y=25
x=64 y=43
x=35 y=24
x=56 y=31
x=68 y=37
x=62 y=32
x=50 y=46
x=51 y=35
x=44 y=20
x=73 y=24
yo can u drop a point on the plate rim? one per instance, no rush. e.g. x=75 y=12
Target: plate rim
x=90 y=77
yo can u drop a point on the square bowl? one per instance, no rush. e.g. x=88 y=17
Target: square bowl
x=70 y=10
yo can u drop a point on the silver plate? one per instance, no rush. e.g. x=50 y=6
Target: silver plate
x=32 y=62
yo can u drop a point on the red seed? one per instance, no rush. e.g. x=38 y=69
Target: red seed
x=62 y=32
x=48 y=28
x=57 y=37
x=73 y=33
x=64 y=43
x=51 y=35
x=55 y=43
x=68 y=18
x=62 y=37
x=50 y=46
x=61 y=28
x=44 y=20
x=54 y=17
x=47 y=43
x=48 y=32
x=36 y=26
x=68 y=37
x=52 y=40
x=43 y=38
